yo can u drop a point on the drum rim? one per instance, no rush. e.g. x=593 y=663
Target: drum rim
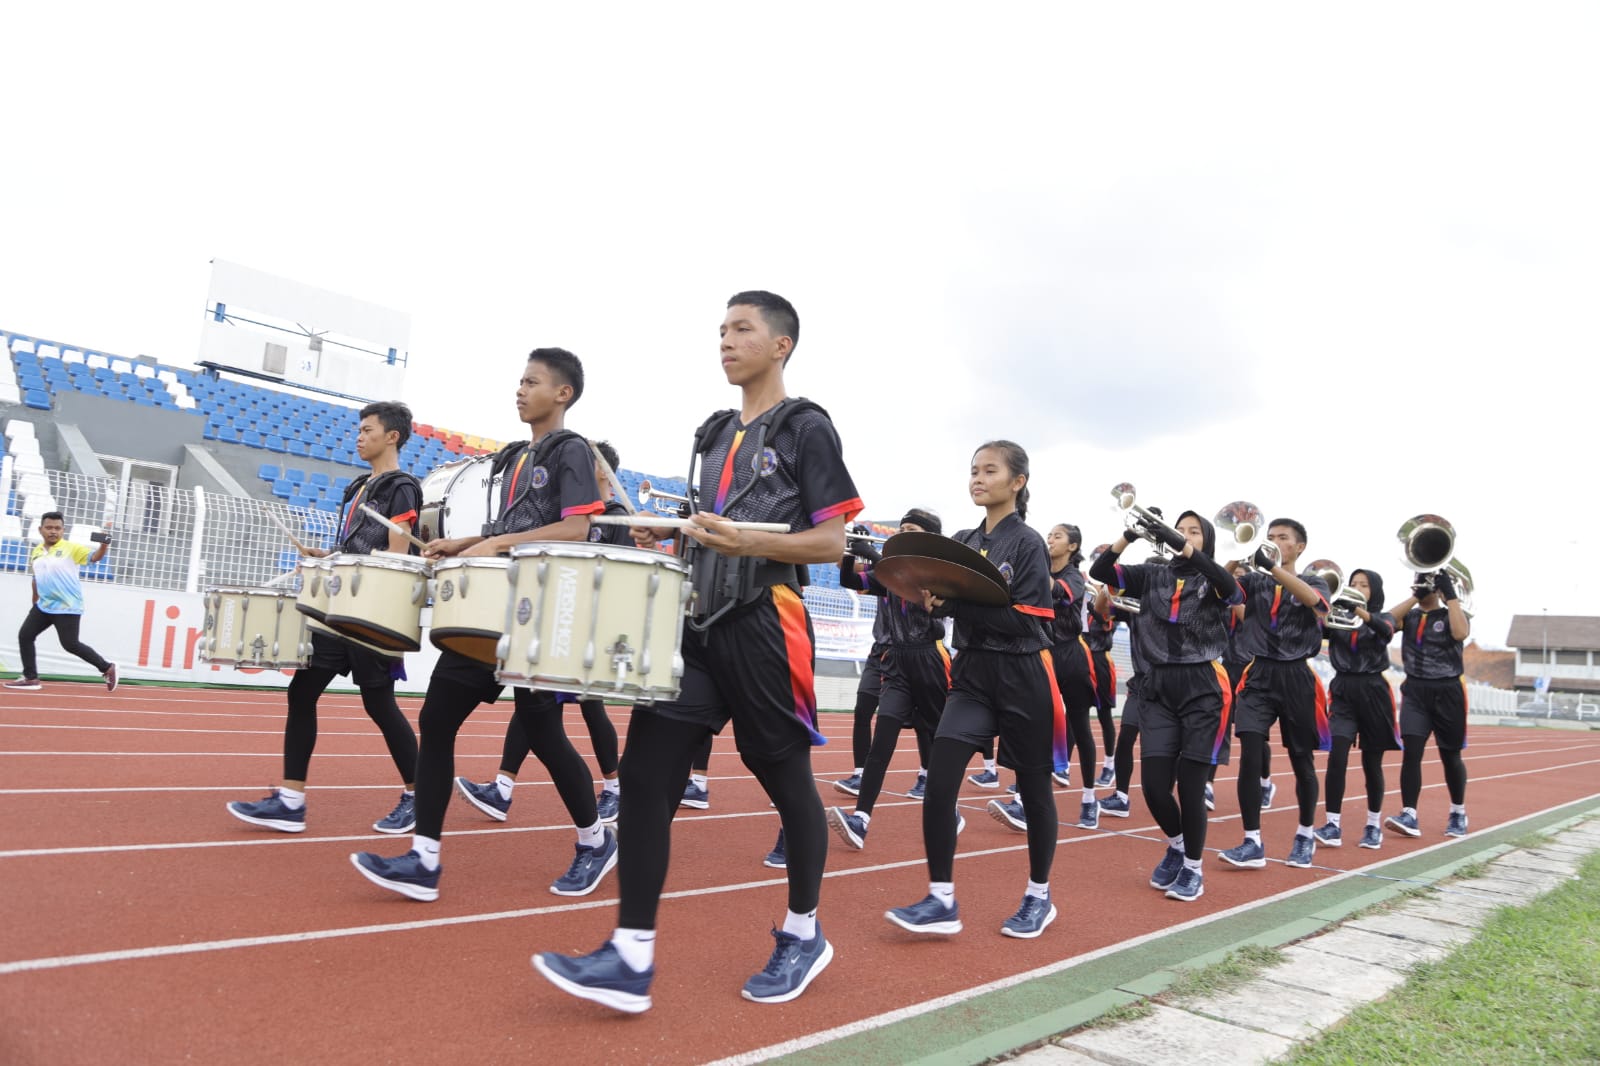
x=488 y=562
x=406 y=564
x=240 y=590
x=585 y=549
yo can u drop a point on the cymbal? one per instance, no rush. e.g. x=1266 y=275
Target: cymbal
x=907 y=575
x=935 y=546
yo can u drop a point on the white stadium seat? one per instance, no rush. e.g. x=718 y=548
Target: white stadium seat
x=19 y=344
x=185 y=401
x=72 y=355
x=18 y=427
x=143 y=370
x=37 y=504
x=6 y=473
x=10 y=527
x=96 y=360
x=32 y=483
x=121 y=366
x=9 y=393
x=23 y=446
x=48 y=351
x=29 y=464
x=169 y=376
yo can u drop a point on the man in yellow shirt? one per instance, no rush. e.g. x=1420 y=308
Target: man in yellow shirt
x=58 y=601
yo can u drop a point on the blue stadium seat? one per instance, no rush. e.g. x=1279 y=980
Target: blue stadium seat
x=268 y=472
x=210 y=432
x=298 y=447
x=14 y=554
x=229 y=434
x=273 y=443
x=320 y=479
x=294 y=474
x=283 y=488
x=330 y=504
x=100 y=571
x=38 y=399
x=253 y=439
x=322 y=452
x=288 y=559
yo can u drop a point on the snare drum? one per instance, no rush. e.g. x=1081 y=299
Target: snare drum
x=595 y=620
x=455 y=499
x=469 y=606
x=312 y=581
x=256 y=628
x=378 y=598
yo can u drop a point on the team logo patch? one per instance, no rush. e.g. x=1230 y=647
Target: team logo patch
x=595 y=533
x=539 y=478
x=1005 y=572
x=1438 y=625
x=767 y=465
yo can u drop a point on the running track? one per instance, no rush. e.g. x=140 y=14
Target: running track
x=143 y=924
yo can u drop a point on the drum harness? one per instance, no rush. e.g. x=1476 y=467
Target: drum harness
x=502 y=459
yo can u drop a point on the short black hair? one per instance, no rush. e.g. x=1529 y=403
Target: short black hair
x=1299 y=530
x=779 y=314
x=48 y=515
x=609 y=454
x=395 y=417
x=567 y=368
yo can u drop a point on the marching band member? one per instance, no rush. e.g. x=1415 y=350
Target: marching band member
x=1002 y=686
x=1099 y=632
x=916 y=679
x=1360 y=708
x=392 y=492
x=1433 y=628
x=1282 y=629
x=549 y=494
x=869 y=690
x=748 y=656
x=1118 y=804
x=1182 y=630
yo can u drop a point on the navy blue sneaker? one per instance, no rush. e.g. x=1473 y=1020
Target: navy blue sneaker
x=608 y=805
x=1302 y=853
x=1456 y=826
x=1165 y=875
x=484 y=797
x=404 y=874
x=270 y=813
x=851 y=829
x=1268 y=790
x=1211 y=797
x=1011 y=815
x=1089 y=815
x=403 y=819
x=1371 y=837
x=920 y=789
x=1030 y=919
x=1330 y=836
x=985 y=779
x=1249 y=855
x=600 y=977
x=589 y=865
x=1115 y=806
x=1404 y=822
x=850 y=786
x=696 y=797
x=777 y=858
x=927 y=916
x=1107 y=778
x=1189 y=887
x=794 y=964
x=1063 y=778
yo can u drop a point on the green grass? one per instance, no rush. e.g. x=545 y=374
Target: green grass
x=1236 y=968
x=1471 y=870
x=1128 y=1012
x=1525 y=990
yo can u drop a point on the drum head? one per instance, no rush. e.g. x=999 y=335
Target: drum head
x=455 y=499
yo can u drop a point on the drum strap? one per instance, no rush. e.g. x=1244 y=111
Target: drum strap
x=503 y=458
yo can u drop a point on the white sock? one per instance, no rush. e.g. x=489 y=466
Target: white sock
x=409 y=792
x=1176 y=843
x=1333 y=817
x=922 y=775
x=1191 y=864
x=593 y=836
x=1038 y=891
x=698 y=780
x=612 y=785
x=866 y=819
x=428 y=849
x=1266 y=782
x=943 y=891
x=291 y=799
x=1409 y=810
x=1375 y=818
x=1303 y=831
x=637 y=948
x=860 y=770
x=989 y=767
x=1458 y=808
x=1109 y=764
x=1253 y=835
x=1123 y=796
x=504 y=784
x=803 y=926
x=1088 y=795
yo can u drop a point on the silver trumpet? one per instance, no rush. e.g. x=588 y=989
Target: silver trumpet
x=1331 y=574
x=661 y=502
x=1137 y=520
x=1094 y=588
x=1247 y=525
x=1428 y=545
x=1342 y=609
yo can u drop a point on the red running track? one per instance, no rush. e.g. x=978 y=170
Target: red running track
x=143 y=924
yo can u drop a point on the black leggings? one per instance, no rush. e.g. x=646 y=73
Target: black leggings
x=1108 y=729
x=66 y=626
x=1252 y=750
x=701 y=763
x=1081 y=737
x=946 y=766
x=448 y=704
x=300 y=728
x=602 y=735
x=861 y=731
x=881 y=754
x=1124 y=757
x=655 y=765
x=1371 y=768
x=1455 y=773
x=1185 y=815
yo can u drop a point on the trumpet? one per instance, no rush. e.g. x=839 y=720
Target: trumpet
x=1428 y=545
x=1342 y=608
x=1332 y=576
x=1137 y=520
x=650 y=496
x=1094 y=588
x=1246 y=524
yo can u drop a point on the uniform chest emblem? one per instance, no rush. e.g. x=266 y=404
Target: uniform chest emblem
x=1438 y=625
x=539 y=478
x=767 y=464
x=1005 y=572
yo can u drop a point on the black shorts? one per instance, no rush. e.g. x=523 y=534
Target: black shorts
x=1185 y=712
x=1132 y=708
x=366 y=668
x=1436 y=706
x=1105 y=680
x=479 y=685
x=1361 y=708
x=916 y=682
x=754 y=667
x=872 y=672
x=1289 y=692
x=1075 y=674
x=1012 y=697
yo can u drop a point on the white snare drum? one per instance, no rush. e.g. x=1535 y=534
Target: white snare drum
x=312 y=585
x=314 y=627
x=595 y=620
x=455 y=499
x=255 y=628
x=469 y=606
x=378 y=598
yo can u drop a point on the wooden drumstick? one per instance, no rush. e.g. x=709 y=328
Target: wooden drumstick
x=394 y=527
x=664 y=522
x=301 y=548
x=611 y=479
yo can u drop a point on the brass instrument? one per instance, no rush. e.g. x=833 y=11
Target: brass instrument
x=1341 y=609
x=1331 y=574
x=661 y=502
x=1137 y=520
x=1245 y=523
x=1126 y=603
x=1428 y=545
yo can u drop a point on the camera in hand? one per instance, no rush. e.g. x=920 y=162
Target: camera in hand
x=97 y=537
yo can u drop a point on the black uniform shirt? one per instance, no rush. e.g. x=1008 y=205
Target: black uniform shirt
x=1427 y=648
x=1182 y=618
x=560 y=485
x=1098 y=630
x=1067 y=589
x=395 y=495
x=1364 y=650
x=1021 y=628
x=905 y=624
x=800 y=474
x=609 y=534
x=1276 y=625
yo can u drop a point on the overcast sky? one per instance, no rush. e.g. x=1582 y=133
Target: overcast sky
x=1340 y=261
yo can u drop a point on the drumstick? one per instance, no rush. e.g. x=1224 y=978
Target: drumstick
x=301 y=548
x=395 y=527
x=663 y=522
x=611 y=478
